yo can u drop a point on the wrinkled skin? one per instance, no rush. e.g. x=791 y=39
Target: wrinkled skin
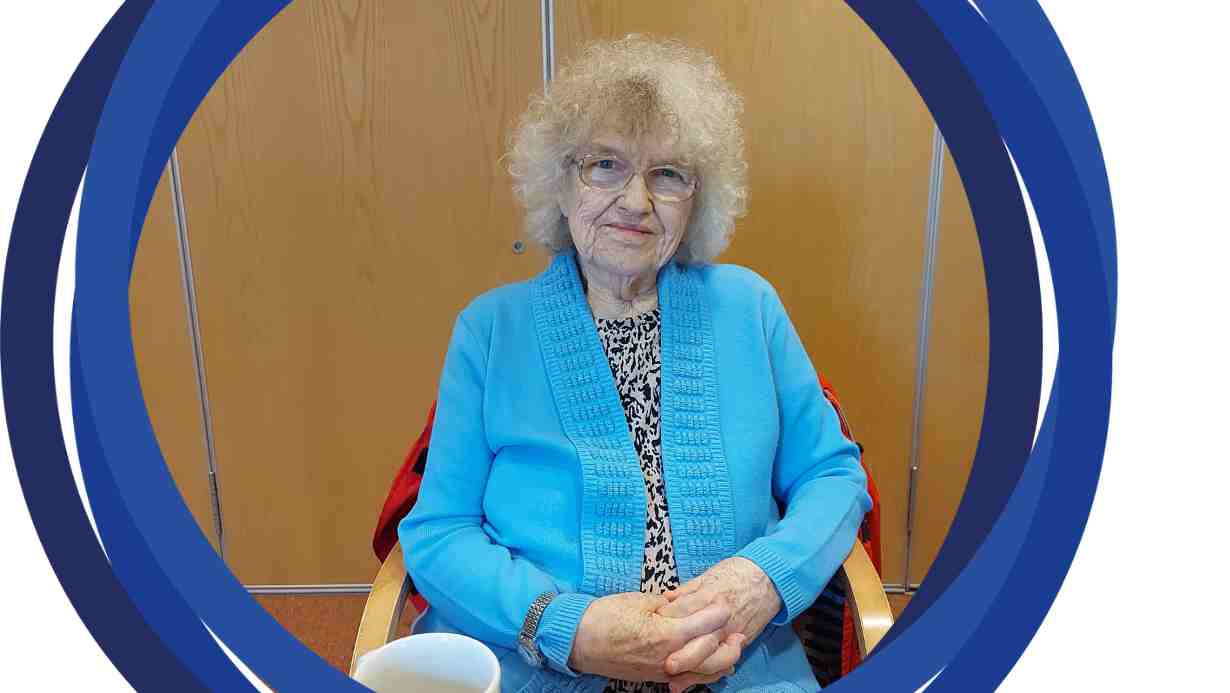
x=692 y=635
x=747 y=592
x=623 y=238
x=622 y=636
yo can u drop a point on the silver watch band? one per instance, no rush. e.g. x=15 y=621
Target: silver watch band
x=530 y=628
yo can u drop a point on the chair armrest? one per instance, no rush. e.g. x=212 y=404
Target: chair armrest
x=387 y=602
x=868 y=602
x=385 y=605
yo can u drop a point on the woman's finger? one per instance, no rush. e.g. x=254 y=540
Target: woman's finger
x=692 y=654
x=686 y=588
x=687 y=604
x=724 y=657
x=733 y=644
x=712 y=618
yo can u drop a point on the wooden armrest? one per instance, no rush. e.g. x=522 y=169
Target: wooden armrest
x=868 y=602
x=385 y=606
x=387 y=602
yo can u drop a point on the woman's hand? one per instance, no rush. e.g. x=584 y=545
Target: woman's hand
x=698 y=666
x=741 y=585
x=622 y=636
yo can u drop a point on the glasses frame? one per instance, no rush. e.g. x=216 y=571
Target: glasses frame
x=579 y=163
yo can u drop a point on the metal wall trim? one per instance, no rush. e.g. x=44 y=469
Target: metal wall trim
x=348 y=588
x=198 y=353
x=924 y=336
x=547 y=22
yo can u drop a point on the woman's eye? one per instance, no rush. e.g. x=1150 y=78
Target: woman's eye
x=606 y=163
x=671 y=174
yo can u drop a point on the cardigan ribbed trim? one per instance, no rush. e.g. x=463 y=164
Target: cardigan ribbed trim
x=698 y=488
x=557 y=632
x=699 y=494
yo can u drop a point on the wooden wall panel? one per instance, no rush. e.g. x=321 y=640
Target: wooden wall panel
x=957 y=365
x=839 y=147
x=346 y=200
x=163 y=349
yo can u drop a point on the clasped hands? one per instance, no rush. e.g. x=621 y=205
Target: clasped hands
x=692 y=635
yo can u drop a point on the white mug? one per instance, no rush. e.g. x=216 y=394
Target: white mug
x=430 y=663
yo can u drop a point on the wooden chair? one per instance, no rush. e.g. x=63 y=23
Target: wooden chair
x=387 y=602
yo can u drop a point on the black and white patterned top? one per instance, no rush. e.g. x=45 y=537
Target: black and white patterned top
x=633 y=348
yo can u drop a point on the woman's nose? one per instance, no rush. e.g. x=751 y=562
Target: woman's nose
x=635 y=197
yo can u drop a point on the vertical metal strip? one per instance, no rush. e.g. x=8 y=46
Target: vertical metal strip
x=547 y=17
x=924 y=337
x=198 y=354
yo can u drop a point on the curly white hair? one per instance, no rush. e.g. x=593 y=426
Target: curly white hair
x=636 y=86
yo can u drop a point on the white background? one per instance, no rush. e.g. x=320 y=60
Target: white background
x=1143 y=606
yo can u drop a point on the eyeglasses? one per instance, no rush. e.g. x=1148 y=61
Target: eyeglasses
x=609 y=173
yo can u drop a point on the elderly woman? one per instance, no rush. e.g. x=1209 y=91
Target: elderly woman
x=616 y=438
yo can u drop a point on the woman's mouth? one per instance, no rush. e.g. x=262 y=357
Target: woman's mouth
x=630 y=228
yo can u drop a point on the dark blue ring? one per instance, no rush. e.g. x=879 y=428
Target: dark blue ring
x=1002 y=80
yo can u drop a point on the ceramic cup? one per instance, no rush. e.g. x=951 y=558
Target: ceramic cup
x=430 y=663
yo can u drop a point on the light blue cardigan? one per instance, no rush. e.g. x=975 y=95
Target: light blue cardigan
x=532 y=483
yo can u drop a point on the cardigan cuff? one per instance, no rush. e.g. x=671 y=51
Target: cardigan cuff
x=558 y=628
x=794 y=598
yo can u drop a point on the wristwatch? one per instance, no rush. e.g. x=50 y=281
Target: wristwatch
x=525 y=639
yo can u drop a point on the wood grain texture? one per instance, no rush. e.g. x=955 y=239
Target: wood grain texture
x=346 y=200
x=163 y=349
x=838 y=147
x=386 y=609
x=956 y=374
x=869 y=605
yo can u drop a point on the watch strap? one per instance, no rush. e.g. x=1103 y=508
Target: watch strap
x=529 y=629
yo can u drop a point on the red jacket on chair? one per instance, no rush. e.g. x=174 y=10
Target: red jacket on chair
x=868 y=533
x=405 y=491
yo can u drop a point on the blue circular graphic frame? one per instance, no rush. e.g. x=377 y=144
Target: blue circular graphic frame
x=997 y=82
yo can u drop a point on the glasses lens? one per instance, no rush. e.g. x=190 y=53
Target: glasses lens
x=605 y=173
x=670 y=183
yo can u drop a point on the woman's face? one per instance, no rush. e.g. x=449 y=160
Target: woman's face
x=625 y=233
